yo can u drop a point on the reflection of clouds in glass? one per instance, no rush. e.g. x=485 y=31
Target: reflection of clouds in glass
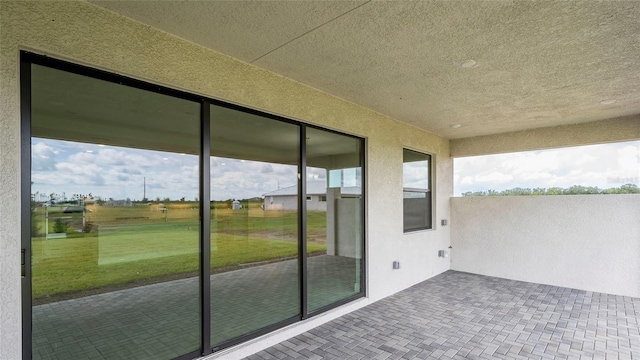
x=77 y=169
x=131 y=171
x=415 y=174
x=604 y=166
x=244 y=179
x=316 y=173
x=113 y=172
x=43 y=156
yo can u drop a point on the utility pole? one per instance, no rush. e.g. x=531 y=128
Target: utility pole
x=144 y=193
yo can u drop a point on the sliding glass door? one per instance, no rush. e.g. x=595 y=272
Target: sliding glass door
x=163 y=225
x=333 y=218
x=254 y=240
x=114 y=220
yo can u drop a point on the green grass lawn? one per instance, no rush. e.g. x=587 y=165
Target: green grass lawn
x=127 y=245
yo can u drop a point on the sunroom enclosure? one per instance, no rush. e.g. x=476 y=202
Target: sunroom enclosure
x=119 y=172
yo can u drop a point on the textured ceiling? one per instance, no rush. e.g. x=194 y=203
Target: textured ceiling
x=539 y=64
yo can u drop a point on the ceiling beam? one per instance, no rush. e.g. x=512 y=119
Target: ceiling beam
x=598 y=132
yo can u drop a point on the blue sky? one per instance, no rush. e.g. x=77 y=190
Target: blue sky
x=603 y=165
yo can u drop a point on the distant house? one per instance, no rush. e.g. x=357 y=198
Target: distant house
x=286 y=199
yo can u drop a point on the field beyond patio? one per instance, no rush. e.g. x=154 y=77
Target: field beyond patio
x=105 y=248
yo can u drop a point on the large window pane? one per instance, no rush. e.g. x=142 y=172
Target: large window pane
x=334 y=217
x=417 y=210
x=416 y=182
x=254 y=223
x=115 y=222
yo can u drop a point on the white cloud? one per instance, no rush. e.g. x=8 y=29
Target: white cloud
x=415 y=174
x=113 y=172
x=314 y=174
x=604 y=166
x=266 y=168
x=43 y=156
x=493 y=178
x=43 y=151
x=241 y=179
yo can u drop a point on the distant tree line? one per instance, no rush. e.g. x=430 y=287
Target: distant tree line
x=573 y=190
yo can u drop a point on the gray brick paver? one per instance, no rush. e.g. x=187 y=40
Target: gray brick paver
x=458 y=315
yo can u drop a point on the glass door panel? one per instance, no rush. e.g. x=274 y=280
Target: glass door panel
x=254 y=223
x=334 y=217
x=115 y=224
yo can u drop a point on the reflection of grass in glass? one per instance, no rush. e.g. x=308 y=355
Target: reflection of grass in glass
x=131 y=245
x=268 y=223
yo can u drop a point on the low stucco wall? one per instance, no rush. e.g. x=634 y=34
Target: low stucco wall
x=588 y=242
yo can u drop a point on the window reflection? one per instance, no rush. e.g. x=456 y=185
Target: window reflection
x=416 y=182
x=115 y=215
x=334 y=217
x=115 y=220
x=254 y=223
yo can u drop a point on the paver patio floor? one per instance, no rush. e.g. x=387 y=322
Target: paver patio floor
x=162 y=321
x=465 y=316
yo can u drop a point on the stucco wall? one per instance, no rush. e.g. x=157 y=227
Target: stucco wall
x=84 y=33
x=588 y=242
x=597 y=132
